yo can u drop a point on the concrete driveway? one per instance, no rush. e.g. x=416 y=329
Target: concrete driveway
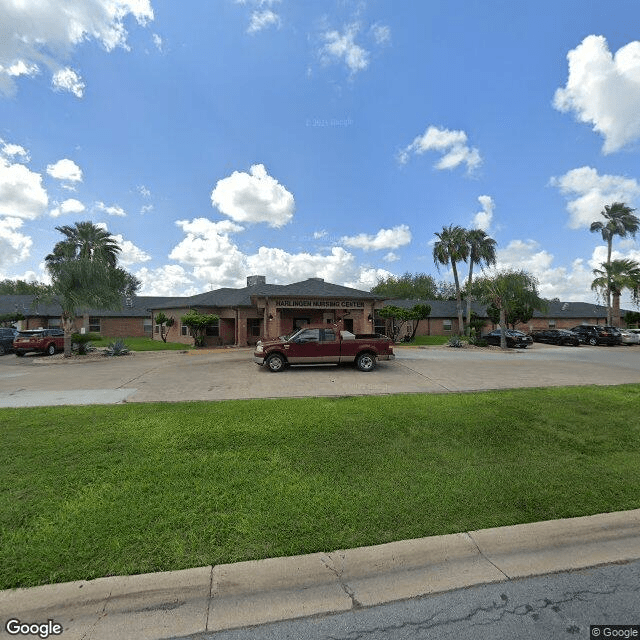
x=230 y=374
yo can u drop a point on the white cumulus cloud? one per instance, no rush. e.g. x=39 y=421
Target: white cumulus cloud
x=253 y=197
x=452 y=145
x=129 y=252
x=113 y=210
x=68 y=80
x=342 y=47
x=14 y=246
x=482 y=219
x=604 y=90
x=21 y=192
x=68 y=206
x=262 y=20
x=385 y=239
x=588 y=192
x=45 y=33
x=65 y=170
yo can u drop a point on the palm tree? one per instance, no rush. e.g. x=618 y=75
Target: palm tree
x=620 y=221
x=613 y=279
x=84 y=273
x=452 y=248
x=509 y=290
x=85 y=241
x=482 y=249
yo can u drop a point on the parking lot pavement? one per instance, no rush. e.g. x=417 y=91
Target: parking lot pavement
x=227 y=374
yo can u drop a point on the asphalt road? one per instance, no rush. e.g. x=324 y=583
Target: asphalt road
x=562 y=605
x=230 y=374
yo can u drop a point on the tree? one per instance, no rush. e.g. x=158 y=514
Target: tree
x=84 y=274
x=482 y=250
x=452 y=248
x=518 y=313
x=198 y=323
x=85 y=241
x=407 y=287
x=621 y=222
x=506 y=291
x=165 y=323
x=21 y=287
x=399 y=317
x=613 y=279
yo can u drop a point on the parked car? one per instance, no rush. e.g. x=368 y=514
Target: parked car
x=556 y=336
x=630 y=336
x=43 y=340
x=7 y=335
x=514 y=338
x=594 y=334
x=615 y=332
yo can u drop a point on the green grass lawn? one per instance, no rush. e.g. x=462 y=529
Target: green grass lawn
x=122 y=489
x=143 y=344
x=430 y=340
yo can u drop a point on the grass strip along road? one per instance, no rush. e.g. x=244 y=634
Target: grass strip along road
x=110 y=490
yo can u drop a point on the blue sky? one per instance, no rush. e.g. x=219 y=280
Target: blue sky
x=295 y=138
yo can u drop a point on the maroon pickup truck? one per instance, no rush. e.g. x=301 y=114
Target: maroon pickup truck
x=44 y=340
x=324 y=344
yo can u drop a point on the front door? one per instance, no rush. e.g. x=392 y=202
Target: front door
x=348 y=324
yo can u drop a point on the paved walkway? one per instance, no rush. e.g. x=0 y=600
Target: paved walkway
x=231 y=374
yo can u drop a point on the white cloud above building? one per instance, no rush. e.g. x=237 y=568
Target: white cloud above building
x=603 y=90
x=385 y=239
x=588 y=192
x=71 y=205
x=254 y=197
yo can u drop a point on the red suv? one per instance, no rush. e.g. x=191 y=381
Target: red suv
x=44 y=340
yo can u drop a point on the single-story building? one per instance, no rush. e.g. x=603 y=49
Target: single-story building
x=133 y=319
x=261 y=310
x=443 y=319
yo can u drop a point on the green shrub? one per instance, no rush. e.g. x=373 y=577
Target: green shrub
x=117 y=348
x=82 y=343
x=456 y=341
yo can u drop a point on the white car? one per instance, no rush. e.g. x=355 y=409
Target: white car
x=630 y=336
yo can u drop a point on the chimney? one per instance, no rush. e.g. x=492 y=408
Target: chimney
x=253 y=281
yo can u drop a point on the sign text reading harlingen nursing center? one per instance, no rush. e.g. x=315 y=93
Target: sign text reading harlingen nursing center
x=320 y=304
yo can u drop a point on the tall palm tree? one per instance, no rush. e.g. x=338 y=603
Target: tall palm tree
x=84 y=273
x=621 y=222
x=482 y=249
x=613 y=279
x=86 y=241
x=450 y=249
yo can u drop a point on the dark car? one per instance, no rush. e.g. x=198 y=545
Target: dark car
x=43 y=340
x=514 y=338
x=594 y=334
x=617 y=334
x=7 y=334
x=556 y=336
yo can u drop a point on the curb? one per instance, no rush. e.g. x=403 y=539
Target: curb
x=213 y=598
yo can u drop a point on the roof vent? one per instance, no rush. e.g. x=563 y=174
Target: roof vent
x=317 y=279
x=253 y=281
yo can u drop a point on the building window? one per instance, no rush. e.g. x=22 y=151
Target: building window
x=213 y=330
x=447 y=325
x=552 y=324
x=147 y=326
x=94 y=325
x=184 y=330
x=54 y=323
x=157 y=329
x=253 y=327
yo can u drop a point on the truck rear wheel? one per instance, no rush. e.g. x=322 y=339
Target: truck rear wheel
x=366 y=362
x=275 y=363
